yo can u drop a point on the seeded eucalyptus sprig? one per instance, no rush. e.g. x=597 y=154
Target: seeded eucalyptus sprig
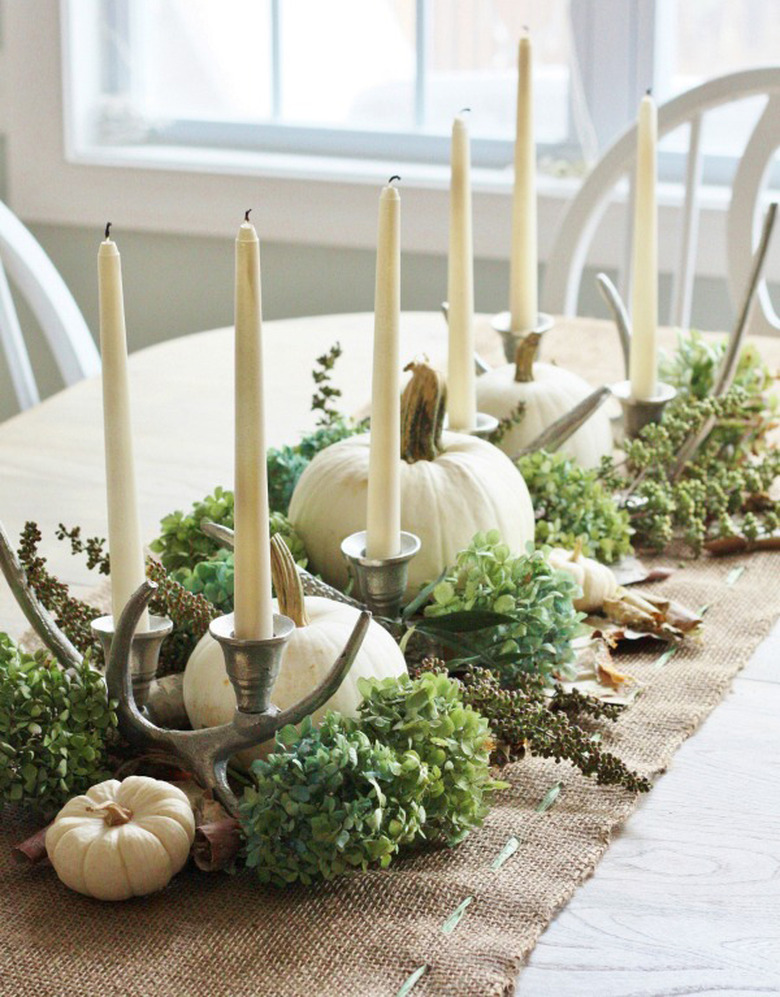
x=723 y=491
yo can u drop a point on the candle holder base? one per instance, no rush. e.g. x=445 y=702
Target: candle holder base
x=380 y=583
x=252 y=665
x=640 y=412
x=144 y=651
x=511 y=338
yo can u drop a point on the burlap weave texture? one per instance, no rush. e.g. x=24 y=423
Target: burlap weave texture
x=216 y=936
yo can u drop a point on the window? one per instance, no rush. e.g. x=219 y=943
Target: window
x=353 y=78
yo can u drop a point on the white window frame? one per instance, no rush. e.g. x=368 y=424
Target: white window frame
x=296 y=199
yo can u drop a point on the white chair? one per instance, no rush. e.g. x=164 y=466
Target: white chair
x=35 y=277
x=566 y=262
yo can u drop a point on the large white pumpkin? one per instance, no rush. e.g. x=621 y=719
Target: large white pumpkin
x=465 y=485
x=547 y=392
x=122 y=839
x=322 y=627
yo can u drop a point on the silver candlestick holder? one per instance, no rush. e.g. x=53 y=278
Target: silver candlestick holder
x=485 y=426
x=252 y=667
x=640 y=412
x=380 y=583
x=144 y=653
x=511 y=338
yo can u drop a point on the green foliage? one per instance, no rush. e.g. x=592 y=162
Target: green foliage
x=213 y=578
x=182 y=543
x=54 y=725
x=722 y=492
x=573 y=504
x=426 y=716
x=352 y=793
x=693 y=366
x=286 y=464
x=328 y=801
x=535 y=599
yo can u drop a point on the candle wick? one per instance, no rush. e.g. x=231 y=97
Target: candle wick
x=526 y=29
x=108 y=228
x=393 y=177
x=246 y=214
x=465 y=110
x=649 y=92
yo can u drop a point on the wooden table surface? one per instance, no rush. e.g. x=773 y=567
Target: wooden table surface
x=687 y=899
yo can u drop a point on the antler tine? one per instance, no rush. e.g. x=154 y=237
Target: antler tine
x=332 y=680
x=559 y=431
x=37 y=615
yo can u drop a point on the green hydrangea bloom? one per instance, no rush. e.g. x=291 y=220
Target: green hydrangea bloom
x=427 y=716
x=537 y=597
x=54 y=726
x=214 y=578
x=572 y=504
x=330 y=800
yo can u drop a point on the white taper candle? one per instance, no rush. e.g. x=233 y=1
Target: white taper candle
x=383 y=519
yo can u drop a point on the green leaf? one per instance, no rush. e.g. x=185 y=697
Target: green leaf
x=455 y=917
x=421 y=598
x=412 y=980
x=549 y=798
x=506 y=853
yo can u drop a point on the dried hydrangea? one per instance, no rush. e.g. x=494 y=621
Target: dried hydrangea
x=54 y=729
x=535 y=600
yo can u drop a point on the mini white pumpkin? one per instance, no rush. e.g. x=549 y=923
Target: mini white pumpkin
x=122 y=839
x=322 y=627
x=547 y=392
x=452 y=486
x=596 y=580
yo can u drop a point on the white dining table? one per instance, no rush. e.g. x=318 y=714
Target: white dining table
x=687 y=898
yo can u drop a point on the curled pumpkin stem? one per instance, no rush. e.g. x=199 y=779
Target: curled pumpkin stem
x=525 y=355
x=422 y=414
x=113 y=813
x=287 y=583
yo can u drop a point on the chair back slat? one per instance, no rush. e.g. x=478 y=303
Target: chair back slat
x=14 y=348
x=566 y=262
x=35 y=277
x=682 y=285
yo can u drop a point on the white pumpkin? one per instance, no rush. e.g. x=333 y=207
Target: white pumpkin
x=547 y=392
x=122 y=839
x=452 y=486
x=596 y=580
x=322 y=627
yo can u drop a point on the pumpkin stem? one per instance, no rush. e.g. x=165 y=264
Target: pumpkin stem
x=577 y=552
x=525 y=354
x=113 y=813
x=422 y=414
x=287 y=582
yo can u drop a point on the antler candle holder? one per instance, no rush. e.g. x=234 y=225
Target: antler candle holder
x=380 y=582
x=252 y=667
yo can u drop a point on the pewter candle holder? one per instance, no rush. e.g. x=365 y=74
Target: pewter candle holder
x=640 y=412
x=485 y=427
x=144 y=651
x=252 y=666
x=502 y=323
x=380 y=583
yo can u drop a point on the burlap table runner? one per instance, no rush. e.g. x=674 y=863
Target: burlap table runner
x=216 y=936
